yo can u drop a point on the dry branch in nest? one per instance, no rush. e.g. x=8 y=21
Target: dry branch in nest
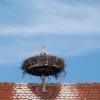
x=47 y=65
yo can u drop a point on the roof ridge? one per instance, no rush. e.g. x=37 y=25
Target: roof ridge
x=49 y=83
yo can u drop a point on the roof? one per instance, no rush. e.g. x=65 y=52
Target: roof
x=25 y=91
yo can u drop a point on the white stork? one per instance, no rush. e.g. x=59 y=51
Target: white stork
x=42 y=51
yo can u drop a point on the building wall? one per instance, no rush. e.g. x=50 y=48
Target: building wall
x=22 y=91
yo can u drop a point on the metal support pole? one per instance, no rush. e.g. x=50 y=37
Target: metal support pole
x=43 y=83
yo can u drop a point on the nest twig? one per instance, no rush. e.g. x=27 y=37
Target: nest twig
x=47 y=65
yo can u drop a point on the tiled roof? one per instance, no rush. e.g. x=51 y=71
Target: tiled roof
x=19 y=91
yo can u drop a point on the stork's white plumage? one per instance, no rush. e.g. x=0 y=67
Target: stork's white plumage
x=42 y=51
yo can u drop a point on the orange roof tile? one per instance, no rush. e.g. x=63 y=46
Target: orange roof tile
x=19 y=91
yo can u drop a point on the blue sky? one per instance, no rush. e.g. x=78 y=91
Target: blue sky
x=67 y=28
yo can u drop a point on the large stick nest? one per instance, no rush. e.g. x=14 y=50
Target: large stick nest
x=43 y=65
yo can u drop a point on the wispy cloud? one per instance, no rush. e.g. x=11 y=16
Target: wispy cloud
x=56 y=17
x=17 y=49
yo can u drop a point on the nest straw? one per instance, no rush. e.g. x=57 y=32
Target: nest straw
x=43 y=64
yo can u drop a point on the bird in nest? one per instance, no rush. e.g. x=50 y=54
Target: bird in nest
x=42 y=51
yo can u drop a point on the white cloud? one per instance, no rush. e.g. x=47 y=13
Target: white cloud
x=58 y=18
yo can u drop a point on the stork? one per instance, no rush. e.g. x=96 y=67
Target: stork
x=42 y=51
